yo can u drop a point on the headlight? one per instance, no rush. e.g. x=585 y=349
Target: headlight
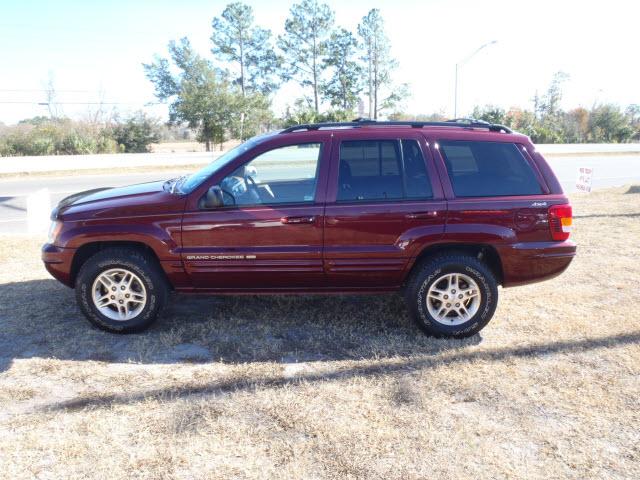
x=54 y=230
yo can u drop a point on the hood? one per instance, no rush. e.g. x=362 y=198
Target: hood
x=113 y=193
x=123 y=198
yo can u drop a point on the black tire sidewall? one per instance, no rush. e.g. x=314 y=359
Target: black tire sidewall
x=431 y=273
x=134 y=262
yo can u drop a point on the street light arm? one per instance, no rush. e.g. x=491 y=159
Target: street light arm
x=465 y=60
x=475 y=52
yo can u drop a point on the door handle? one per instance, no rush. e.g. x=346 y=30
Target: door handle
x=298 y=220
x=416 y=215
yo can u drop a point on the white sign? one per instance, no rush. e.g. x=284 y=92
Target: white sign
x=38 y=211
x=585 y=178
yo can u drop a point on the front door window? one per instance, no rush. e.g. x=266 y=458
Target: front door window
x=285 y=175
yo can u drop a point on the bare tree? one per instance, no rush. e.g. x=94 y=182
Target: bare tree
x=50 y=93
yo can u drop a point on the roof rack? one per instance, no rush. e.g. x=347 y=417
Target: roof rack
x=364 y=122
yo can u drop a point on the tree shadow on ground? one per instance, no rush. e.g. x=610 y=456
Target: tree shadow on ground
x=39 y=318
x=359 y=370
x=608 y=215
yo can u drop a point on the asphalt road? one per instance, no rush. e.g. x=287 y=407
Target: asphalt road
x=609 y=170
x=14 y=192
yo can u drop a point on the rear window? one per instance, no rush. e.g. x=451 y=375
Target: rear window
x=381 y=170
x=487 y=169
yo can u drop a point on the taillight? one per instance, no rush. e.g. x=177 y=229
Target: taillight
x=560 y=221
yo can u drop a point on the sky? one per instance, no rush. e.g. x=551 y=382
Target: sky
x=93 y=50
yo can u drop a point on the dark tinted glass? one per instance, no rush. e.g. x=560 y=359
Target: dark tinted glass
x=379 y=170
x=369 y=170
x=485 y=169
x=417 y=184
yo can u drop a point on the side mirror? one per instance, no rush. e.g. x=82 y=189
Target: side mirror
x=212 y=199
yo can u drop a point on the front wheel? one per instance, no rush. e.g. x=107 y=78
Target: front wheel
x=121 y=290
x=452 y=296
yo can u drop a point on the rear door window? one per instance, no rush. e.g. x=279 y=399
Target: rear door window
x=382 y=170
x=487 y=169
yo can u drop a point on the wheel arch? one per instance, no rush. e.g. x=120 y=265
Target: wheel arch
x=483 y=252
x=87 y=250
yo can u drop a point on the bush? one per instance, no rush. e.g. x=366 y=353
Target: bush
x=136 y=133
x=55 y=137
x=41 y=136
x=302 y=112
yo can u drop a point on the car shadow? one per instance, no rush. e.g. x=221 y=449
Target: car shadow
x=39 y=318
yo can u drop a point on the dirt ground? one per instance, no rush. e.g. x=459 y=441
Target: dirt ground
x=332 y=387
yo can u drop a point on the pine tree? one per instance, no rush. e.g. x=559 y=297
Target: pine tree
x=304 y=44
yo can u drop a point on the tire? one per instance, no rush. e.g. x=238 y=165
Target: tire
x=431 y=283
x=145 y=281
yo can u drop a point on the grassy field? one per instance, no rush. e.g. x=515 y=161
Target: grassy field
x=332 y=387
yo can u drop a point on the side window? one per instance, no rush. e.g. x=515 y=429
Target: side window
x=382 y=170
x=282 y=175
x=486 y=169
x=417 y=183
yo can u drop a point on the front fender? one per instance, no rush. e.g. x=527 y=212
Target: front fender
x=161 y=233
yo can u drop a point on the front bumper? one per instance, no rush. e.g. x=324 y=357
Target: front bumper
x=524 y=263
x=58 y=261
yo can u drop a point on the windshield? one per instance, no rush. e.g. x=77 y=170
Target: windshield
x=194 y=180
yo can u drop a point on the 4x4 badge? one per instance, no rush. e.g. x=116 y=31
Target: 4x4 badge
x=539 y=204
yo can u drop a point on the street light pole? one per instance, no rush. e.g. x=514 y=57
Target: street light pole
x=455 y=96
x=459 y=64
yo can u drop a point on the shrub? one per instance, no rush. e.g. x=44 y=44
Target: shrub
x=55 y=137
x=136 y=133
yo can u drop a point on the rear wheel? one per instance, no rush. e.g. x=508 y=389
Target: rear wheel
x=452 y=296
x=121 y=290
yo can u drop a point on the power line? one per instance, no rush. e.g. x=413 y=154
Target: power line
x=42 y=90
x=80 y=103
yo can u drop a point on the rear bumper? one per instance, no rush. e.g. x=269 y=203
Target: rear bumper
x=524 y=263
x=57 y=261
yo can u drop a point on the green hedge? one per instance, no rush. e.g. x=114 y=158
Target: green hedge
x=42 y=136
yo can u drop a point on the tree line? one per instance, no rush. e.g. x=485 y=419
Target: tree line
x=228 y=93
x=333 y=66
x=546 y=122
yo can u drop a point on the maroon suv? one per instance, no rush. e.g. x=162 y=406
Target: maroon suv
x=443 y=212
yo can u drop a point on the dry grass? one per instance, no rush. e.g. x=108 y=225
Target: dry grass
x=332 y=387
